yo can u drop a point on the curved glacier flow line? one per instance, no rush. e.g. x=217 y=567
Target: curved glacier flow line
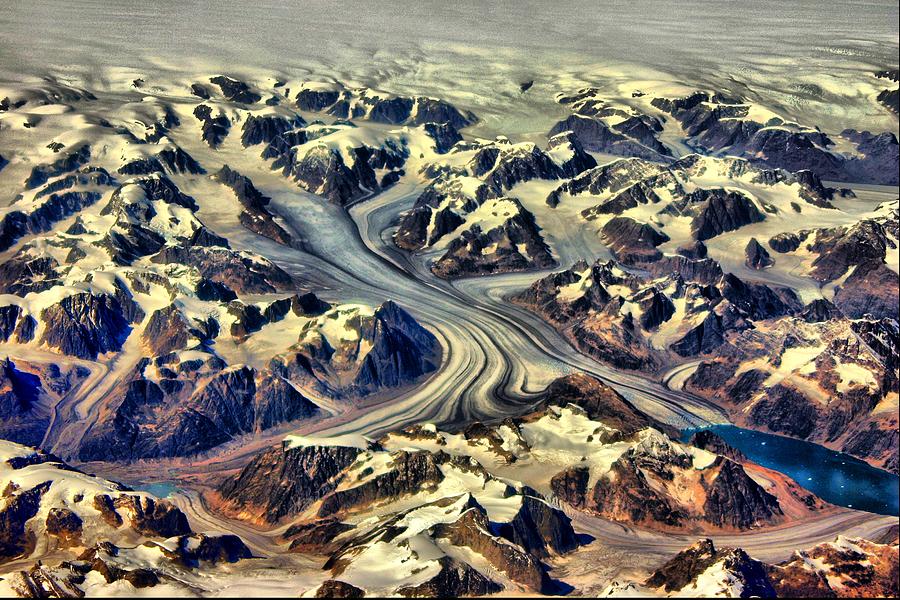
x=774 y=545
x=487 y=296
x=498 y=357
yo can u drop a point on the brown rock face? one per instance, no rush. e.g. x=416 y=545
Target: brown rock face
x=602 y=403
x=757 y=257
x=19 y=508
x=843 y=569
x=333 y=588
x=317 y=537
x=709 y=441
x=146 y=516
x=154 y=517
x=631 y=241
x=280 y=483
x=107 y=508
x=872 y=289
x=687 y=565
x=645 y=486
x=167 y=330
x=454 y=580
x=141 y=578
x=540 y=529
x=684 y=567
x=626 y=494
x=570 y=486
x=66 y=526
x=470 y=531
x=411 y=472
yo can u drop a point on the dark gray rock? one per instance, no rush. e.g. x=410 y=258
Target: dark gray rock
x=17 y=224
x=693 y=250
x=316 y=100
x=209 y=290
x=187 y=414
x=759 y=301
x=596 y=136
x=735 y=500
x=632 y=242
x=784 y=242
x=85 y=325
x=70 y=162
x=283 y=482
x=756 y=256
x=465 y=257
x=85 y=176
x=703 y=338
x=716 y=211
x=716 y=123
x=411 y=472
x=235 y=91
x=22 y=417
x=540 y=529
x=200 y=90
x=402 y=351
x=872 y=289
x=444 y=135
x=820 y=310
x=656 y=308
x=256 y=216
x=840 y=248
x=455 y=579
x=214 y=129
x=265 y=128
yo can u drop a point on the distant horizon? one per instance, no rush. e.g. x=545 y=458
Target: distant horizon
x=810 y=60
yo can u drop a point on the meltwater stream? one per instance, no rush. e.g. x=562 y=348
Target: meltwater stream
x=833 y=476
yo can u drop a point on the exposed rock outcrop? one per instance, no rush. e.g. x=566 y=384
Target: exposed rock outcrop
x=85 y=325
x=514 y=245
x=199 y=410
x=740 y=573
x=756 y=256
x=214 y=129
x=255 y=216
x=841 y=569
x=364 y=103
x=283 y=482
x=717 y=123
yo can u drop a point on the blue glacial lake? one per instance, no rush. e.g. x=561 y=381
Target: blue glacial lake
x=160 y=489
x=834 y=477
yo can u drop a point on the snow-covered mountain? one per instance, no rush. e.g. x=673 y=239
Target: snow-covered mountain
x=477 y=510
x=844 y=568
x=113 y=539
x=369 y=346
